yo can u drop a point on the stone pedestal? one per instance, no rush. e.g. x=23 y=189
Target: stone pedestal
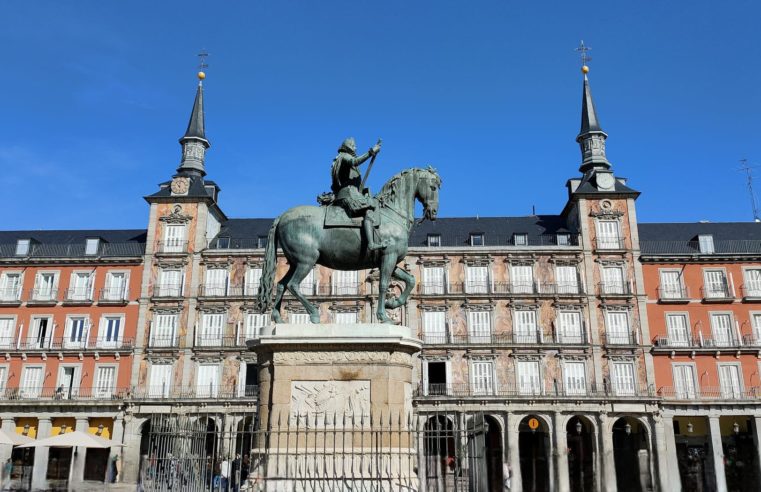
x=335 y=401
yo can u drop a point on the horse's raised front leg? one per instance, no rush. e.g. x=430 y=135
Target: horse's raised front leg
x=300 y=271
x=400 y=273
x=388 y=263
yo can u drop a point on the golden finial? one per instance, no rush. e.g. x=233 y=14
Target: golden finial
x=202 y=64
x=584 y=57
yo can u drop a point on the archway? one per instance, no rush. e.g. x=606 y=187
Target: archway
x=534 y=448
x=581 y=454
x=739 y=453
x=484 y=438
x=441 y=460
x=631 y=455
x=693 y=453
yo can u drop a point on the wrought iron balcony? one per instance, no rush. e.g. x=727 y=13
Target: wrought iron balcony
x=43 y=296
x=61 y=395
x=516 y=289
x=530 y=337
x=696 y=342
x=172 y=247
x=76 y=343
x=674 y=293
x=10 y=295
x=610 y=243
x=751 y=291
x=167 y=290
x=77 y=296
x=542 y=390
x=717 y=292
x=614 y=289
x=492 y=240
x=164 y=341
x=217 y=341
x=114 y=296
x=709 y=393
x=176 y=392
x=629 y=338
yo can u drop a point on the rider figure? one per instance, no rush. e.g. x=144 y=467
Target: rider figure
x=346 y=186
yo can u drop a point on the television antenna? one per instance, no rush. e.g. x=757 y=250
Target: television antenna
x=748 y=170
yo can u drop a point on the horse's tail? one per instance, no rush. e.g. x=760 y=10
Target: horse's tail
x=268 y=271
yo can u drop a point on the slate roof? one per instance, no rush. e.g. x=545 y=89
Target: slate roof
x=586 y=187
x=71 y=243
x=681 y=238
x=197 y=188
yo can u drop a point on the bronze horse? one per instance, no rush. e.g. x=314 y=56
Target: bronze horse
x=305 y=242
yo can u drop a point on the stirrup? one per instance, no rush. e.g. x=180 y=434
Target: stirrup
x=377 y=246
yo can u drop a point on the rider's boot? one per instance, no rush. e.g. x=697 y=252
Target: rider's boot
x=372 y=245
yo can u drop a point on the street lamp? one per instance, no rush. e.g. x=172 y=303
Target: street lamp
x=578 y=427
x=736 y=428
x=690 y=428
x=26 y=429
x=628 y=429
x=100 y=430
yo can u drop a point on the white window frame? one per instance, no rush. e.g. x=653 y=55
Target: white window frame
x=23 y=246
x=171 y=289
x=160 y=390
x=63 y=393
x=564 y=328
x=716 y=288
x=477 y=237
x=567 y=283
x=433 y=240
x=434 y=324
x=618 y=378
x=299 y=318
x=608 y=233
x=79 y=292
x=34 y=390
x=163 y=339
x=254 y=324
x=211 y=329
x=252 y=280
x=482 y=380
x=613 y=284
x=100 y=390
x=529 y=384
x=526 y=326
x=447 y=390
x=680 y=390
x=33 y=338
x=616 y=333
x=752 y=285
x=8 y=339
x=736 y=391
x=212 y=391
x=706 y=244
x=174 y=242
x=106 y=341
x=434 y=279
x=92 y=244
x=668 y=289
x=675 y=338
x=522 y=279
x=346 y=317
x=345 y=282
x=480 y=326
x=474 y=284
x=213 y=286
x=114 y=293
x=575 y=384
x=53 y=291
x=4 y=368
x=80 y=341
x=723 y=339
x=11 y=293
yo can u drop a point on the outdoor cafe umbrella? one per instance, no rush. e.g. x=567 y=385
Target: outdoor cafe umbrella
x=73 y=439
x=13 y=438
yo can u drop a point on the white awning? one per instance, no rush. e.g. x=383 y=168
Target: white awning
x=72 y=439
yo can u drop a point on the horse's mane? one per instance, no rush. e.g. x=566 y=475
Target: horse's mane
x=390 y=189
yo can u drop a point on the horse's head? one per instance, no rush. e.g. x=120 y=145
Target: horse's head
x=427 y=191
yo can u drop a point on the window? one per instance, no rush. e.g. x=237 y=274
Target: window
x=705 y=243
x=3 y=379
x=716 y=285
x=753 y=282
x=569 y=327
x=730 y=381
x=261 y=242
x=7 y=332
x=477 y=279
x=623 y=378
x=174 y=238
x=563 y=239
x=22 y=247
x=434 y=327
x=575 y=377
x=253 y=280
x=299 y=318
x=77 y=329
x=434 y=240
x=10 y=287
x=721 y=329
x=756 y=327
x=31 y=382
x=159 y=380
x=207 y=380
x=567 y=279
x=613 y=280
x=479 y=326
x=163 y=330
x=524 y=326
x=433 y=280
x=522 y=279
x=211 y=330
x=46 y=287
x=110 y=331
x=684 y=381
x=254 y=324
x=520 y=239
x=223 y=242
x=41 y=332
x=345 y=283
x=91 y=246
x=435 y=375
x=477 y=239
x=346 y=318
x=307 y=286
x=671 y=285
x=116 y=286
x=215 y=283
x=618 y=327
x=81 y=286
x=105 y=382
x=678 y=330
x=482 y=378
x=608 y=236
x=170 y=283
x=529 y=380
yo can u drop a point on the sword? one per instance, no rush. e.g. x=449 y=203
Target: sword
x=369 y=166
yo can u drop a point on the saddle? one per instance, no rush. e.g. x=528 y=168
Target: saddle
x=336 y=216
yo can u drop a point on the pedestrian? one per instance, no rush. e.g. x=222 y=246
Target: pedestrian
x=235 y=477
x=224 y=471
x=7 y=469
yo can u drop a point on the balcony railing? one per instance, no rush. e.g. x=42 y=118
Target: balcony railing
x=163 y=341
x=675 y=293
x=699 y=341
x=81 y=343
x=10 y=295
x=530 y=337
x=677 y=342
x=614 y=289
x=491 y=240
x=608 y=243
x=172 y=247
x=115 y=296
x=716 y=292
x=620 y=339
x=545 y=389
x=105 y=250
x=165 y=392
x=692 y=248
x=709 y=393
x=167 y=290
x=61 y=395
x=217 y=341
x=43 y=296
x=77 y=296
x=751 y=290
x=506 y=288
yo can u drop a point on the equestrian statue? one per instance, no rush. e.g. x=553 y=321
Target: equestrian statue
x=350 y=230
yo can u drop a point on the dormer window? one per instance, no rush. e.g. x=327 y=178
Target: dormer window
x=223 y=242
x=261 y=242
x=434 y=240
x=476 y=239
x=212 y=192
x=520 y=239
x=22 y=247
x=563 y=239
x=91 y=246
x=705 y=242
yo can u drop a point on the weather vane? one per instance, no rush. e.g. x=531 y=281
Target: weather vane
x=584 y=51
x=202 y=64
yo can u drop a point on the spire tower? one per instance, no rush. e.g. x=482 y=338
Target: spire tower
x=194 y=142
x=591 y=138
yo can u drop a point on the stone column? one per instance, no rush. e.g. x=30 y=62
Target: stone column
x=131 y=451
x=118 y=436
x=421 y=456
x=718 y=453
x=607 y=455
x=9 y=426
x=665 y=445
x=561 y=453
x=40 y=470
x=78 y=456
x=513 y=451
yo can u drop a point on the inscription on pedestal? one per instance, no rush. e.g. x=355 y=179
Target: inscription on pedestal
x=320 y=399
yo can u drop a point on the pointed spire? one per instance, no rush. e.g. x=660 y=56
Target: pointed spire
x=194 y=142
x=591 y=138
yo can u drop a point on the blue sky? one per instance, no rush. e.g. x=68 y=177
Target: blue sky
x=96 y=94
